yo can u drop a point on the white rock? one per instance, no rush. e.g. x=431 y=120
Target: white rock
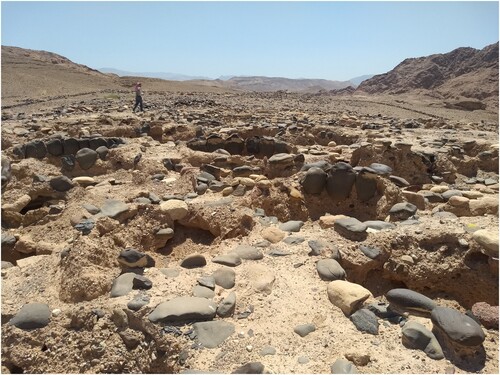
x=177 y=209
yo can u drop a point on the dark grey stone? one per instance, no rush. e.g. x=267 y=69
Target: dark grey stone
x=458 y=327
x=350 y=228
x=314 y=181
x=231 y=260
x=85 y=226
x=61 y=183
x=451 y=193
x=141 y=282
x=68 y=162
x=399 y=181
x=225 y=277
x=330 y=269
x=316 y=247
x=366 y=185
x=36 y=149
x=134 y=258
x=227 y=306
x=370 y=252
x=416 y=336
x=408 y=300
x=402 y=211
x=8 y=239
x=322 y=164
x=102 y=151
x=381 y=169
x=32 y=316
x=86 y=158
x=340 y=180
x=95 y=143
x=54 y=147
x=70 y=146
x=304 y=329
x=365 y=321
x=184 y=309
x=291 y=226
x=194 y=261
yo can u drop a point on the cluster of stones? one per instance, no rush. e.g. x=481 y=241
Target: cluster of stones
x=85 y=151
x=340 y=178
x=235 y=145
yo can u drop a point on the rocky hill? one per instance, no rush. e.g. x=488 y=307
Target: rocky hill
x=463 y=72
x=263 y=84
x=30 y=75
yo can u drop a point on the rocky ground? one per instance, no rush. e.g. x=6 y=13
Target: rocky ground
x=249 y=233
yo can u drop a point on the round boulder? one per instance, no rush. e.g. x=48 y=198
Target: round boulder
x=86 y=158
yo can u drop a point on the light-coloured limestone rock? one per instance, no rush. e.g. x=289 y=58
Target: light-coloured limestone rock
x=175 y=208
x=347 y=296
x=488 y=240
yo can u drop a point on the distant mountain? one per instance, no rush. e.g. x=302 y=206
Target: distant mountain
x=357 y=80
x=464 y=72
x=161 y=75
x=266 y=84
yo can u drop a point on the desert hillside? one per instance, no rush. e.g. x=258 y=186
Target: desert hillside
x=461 y=73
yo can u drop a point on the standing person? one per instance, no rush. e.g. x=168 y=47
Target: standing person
x=138 y=97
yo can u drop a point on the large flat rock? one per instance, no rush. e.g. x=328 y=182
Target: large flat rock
x=184 y=308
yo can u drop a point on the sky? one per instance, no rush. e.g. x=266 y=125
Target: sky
x=328 y=39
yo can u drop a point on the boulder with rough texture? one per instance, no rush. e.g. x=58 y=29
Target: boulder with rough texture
x=347 y=296
x=487 y=315
x=184 y=309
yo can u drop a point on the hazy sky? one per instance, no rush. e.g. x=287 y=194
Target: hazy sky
x=331 y=40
